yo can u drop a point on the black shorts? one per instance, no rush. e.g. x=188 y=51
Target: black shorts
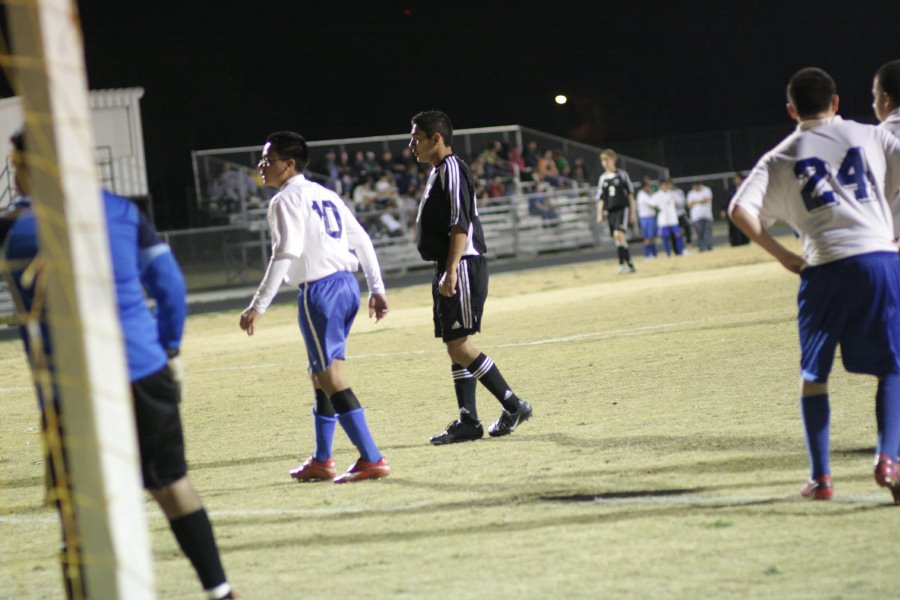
x=160 y=437
x=460 y=315
x=618 y=220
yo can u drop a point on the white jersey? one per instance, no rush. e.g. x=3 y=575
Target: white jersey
x=313 y=233
x=892 y=124
x=680 y=202
x=827 y=181
x=703 y=211
x=645 y=208
x=666 y=204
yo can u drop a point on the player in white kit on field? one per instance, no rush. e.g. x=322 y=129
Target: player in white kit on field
x=313 y=233
x=827 y=180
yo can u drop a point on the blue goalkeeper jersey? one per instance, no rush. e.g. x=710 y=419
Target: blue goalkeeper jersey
x=140 y=260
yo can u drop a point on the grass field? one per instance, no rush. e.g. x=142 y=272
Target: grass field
x=664 y=458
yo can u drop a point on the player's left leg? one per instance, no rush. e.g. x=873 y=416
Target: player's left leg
x=887 y=415
x=816 y=412
x=161 y=442
x=320 y=466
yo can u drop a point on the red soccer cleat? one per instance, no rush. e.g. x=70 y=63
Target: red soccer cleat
x=819 y=488
x=313 y=470
x=362 y=470
x=887 y=474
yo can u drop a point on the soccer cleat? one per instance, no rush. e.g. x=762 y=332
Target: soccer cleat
x=887 y=474
x=313 y=470
x=622 y=269
x=459 y=431
x=363 y=469
x=508 y=422
x=819 y=488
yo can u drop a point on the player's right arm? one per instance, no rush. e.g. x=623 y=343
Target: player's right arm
x=753 y=227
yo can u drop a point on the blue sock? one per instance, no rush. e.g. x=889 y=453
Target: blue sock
x=324 y=435
x=816 y=416
x=887 y=414
x=354 y=423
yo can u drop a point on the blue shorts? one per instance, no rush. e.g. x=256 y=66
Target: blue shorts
x=648 y=227
x=327 y=309
x=854 y=302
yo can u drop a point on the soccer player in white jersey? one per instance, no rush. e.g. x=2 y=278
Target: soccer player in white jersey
x=886 y=103
x=699 y=204
x=827 y=180
x=313 y=234
x=647 y=217
x=665 y=201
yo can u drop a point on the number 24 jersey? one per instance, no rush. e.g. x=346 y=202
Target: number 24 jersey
x=827 y=181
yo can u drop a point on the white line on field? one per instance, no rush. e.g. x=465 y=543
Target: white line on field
x=611 y=333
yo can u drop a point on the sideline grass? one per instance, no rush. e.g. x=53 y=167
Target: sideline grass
x=663 y=460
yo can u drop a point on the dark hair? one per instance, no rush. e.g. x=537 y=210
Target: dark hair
x=889 y=79
x=810 y=90
x=290 y=144
x=18 y=139
x=434 y=121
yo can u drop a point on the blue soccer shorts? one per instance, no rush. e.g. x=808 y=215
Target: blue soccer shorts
x=326 y=311
x=854 y=302
x=648 y=227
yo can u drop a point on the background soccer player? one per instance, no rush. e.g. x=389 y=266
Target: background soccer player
x=449 y=233
x=313 y=233
x=828 y=180
x=615 y=195
x=141 y=261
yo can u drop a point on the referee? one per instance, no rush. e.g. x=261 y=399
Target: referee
x=449 y=233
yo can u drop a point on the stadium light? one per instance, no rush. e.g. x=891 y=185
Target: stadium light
x=561 y=99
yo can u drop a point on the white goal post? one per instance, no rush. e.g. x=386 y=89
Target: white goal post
x=91 y=373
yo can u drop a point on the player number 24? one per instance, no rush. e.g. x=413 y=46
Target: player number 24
x=816 y=176
x=330 y=216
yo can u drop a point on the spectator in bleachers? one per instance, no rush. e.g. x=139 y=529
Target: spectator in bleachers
x=232 y=190
x=347 y=173
x=370 y=164
x=540 y=203
x=515 y=162
x=406 y=178
x=562 y=165
x=404 y=160
x=491 y=158
x=546 y=169
x=386 y=162
x=578 y=176
x=329 y=167
x=530 y=157
x=496 y=188
x=364 y=196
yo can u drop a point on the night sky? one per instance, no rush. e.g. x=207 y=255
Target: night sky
x=221 y=73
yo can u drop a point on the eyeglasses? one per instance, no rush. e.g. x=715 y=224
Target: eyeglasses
x=266 y=161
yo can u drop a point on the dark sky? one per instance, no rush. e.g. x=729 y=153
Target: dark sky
x=221 y=73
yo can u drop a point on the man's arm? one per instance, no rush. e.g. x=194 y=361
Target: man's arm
x=749 y=224
x=457 y=247
x=632 y=214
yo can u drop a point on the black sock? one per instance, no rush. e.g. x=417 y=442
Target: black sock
x=464 y=385
x=195 y=536
x=485 y=371
x=323 y=404
x=345 y=401
x=619 y=251
x=626 y=255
